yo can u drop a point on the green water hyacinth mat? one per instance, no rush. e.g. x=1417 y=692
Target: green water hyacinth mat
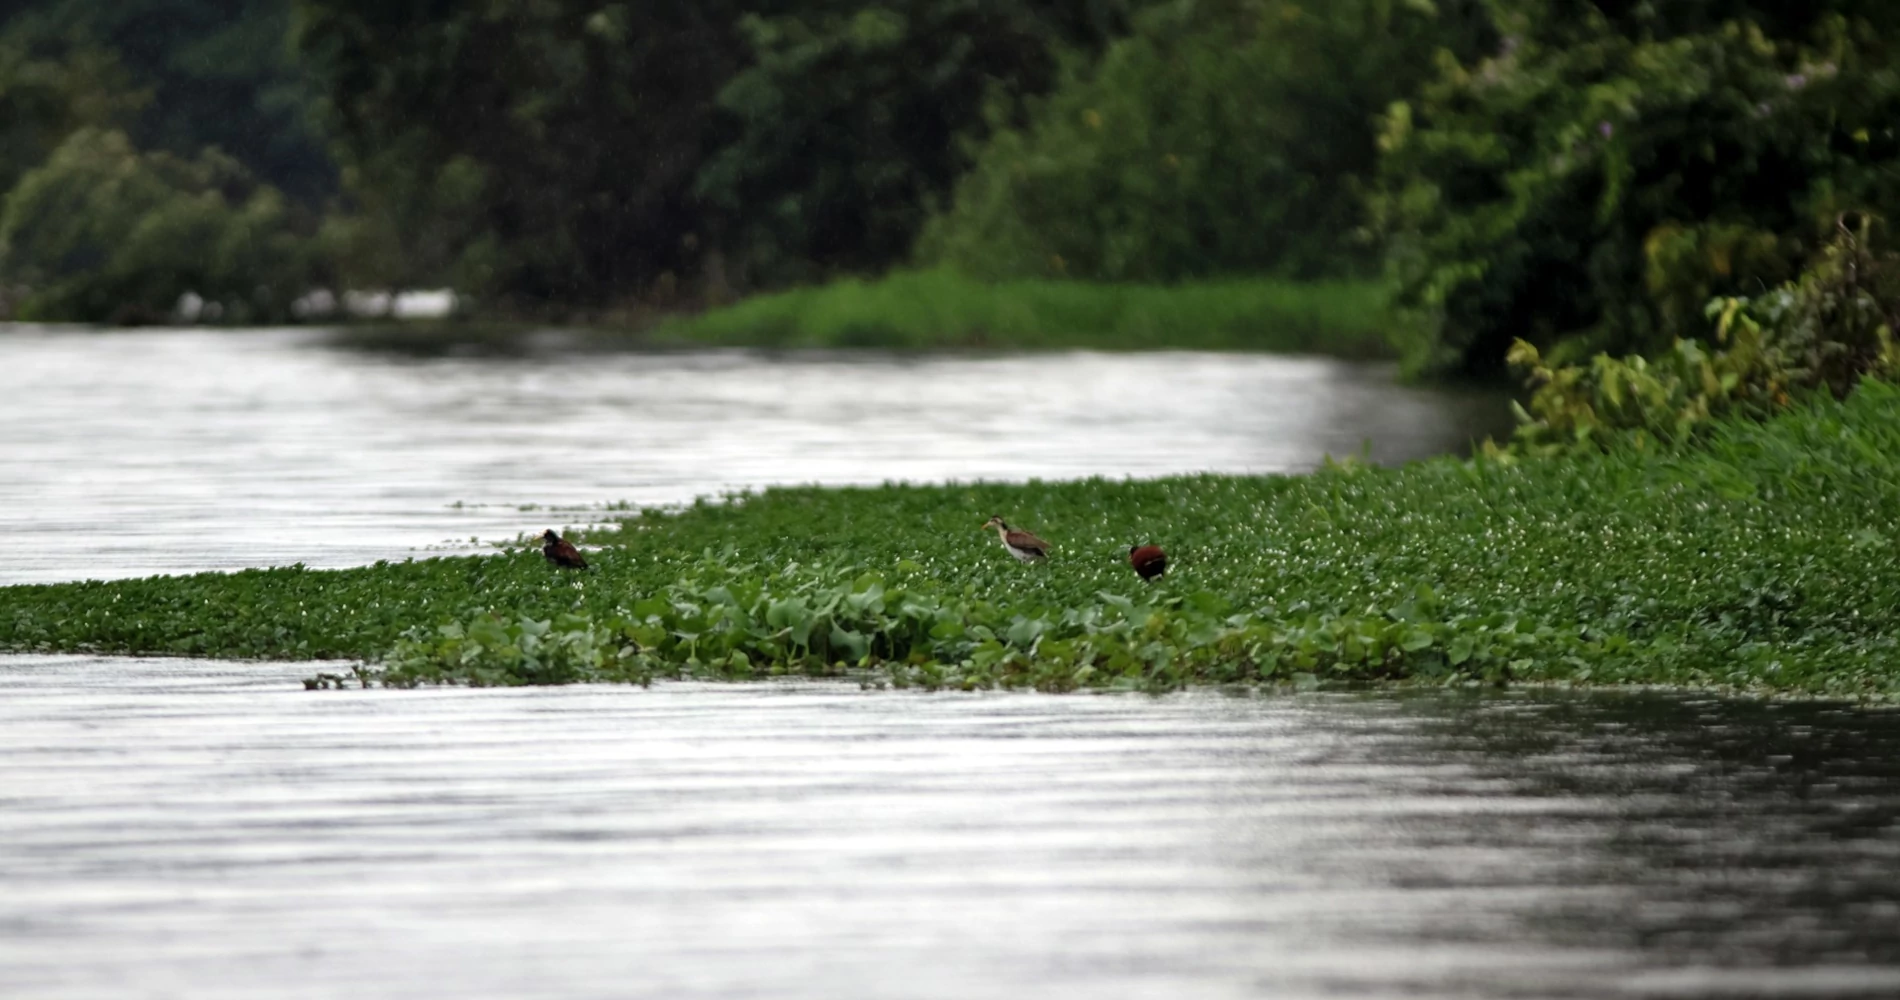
x=1763 y=557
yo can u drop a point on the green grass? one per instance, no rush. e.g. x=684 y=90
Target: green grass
x=1765 y=558
x=941 y=309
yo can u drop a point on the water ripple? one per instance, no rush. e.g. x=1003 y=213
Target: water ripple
x=131 y=453
x=203 y=829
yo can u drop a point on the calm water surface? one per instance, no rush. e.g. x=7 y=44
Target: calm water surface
x=211 y=830
x=157 y=451
x=193 y=829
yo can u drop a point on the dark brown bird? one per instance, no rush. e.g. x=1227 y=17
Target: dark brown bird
x=561 y=552
x=1148 y=560
x=1020 y=544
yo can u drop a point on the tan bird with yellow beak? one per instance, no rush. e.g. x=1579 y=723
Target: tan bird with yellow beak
x=1021 y=544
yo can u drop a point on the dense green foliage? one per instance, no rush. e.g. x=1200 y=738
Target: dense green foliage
x=43 y=100
x=1764 y=558
x=1602 y=175
x=132 y=139
x=1583 y=175
x=525 y=151
x=1222 y=138
x=207 y=73
x=568 y=152
x=850 y=119
x=563 y=158
x=1821 y=333
x=102 y=232
x=938 y=309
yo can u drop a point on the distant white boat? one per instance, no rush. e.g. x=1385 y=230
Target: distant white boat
x=434 y=303
x=321 y=303
x=314 y=304
x=191 y=309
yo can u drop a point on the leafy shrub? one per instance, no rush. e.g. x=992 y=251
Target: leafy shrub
x=1825 y=331
x=1611 y=166
x=1834 y=325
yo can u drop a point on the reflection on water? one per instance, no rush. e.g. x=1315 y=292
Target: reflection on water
x=160 y=451
x=180 y=828
x=1766 y=836
x=208 y=830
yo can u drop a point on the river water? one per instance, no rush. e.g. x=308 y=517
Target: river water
x=177 y=828
x=150 y=451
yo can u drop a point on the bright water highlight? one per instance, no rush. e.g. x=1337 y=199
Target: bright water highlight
x=141 y=452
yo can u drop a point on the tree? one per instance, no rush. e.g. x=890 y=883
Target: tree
x=43 y=100
x=218 y=73
x=538 y=152
x=1594 y=180
x=547 y=153
x=852 y=118
x=1223 y=137
x=104 y=233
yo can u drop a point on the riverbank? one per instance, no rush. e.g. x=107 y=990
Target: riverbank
x=939 y=309
x=1761 y=559
x=905 y=311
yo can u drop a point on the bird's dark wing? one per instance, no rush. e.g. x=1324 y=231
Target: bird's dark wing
x=1025 y=540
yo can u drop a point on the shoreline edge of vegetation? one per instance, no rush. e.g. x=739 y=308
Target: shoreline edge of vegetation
x=1760 y=558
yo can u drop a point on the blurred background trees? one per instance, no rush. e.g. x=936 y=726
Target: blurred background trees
x=106 y=233
x=1596 y=179
x=1584 y=175
x=198 y=73
x=1222 y=137
x=848 y=120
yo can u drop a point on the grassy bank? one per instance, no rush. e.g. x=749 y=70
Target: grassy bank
x=1764 y=558
x=940 y=309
